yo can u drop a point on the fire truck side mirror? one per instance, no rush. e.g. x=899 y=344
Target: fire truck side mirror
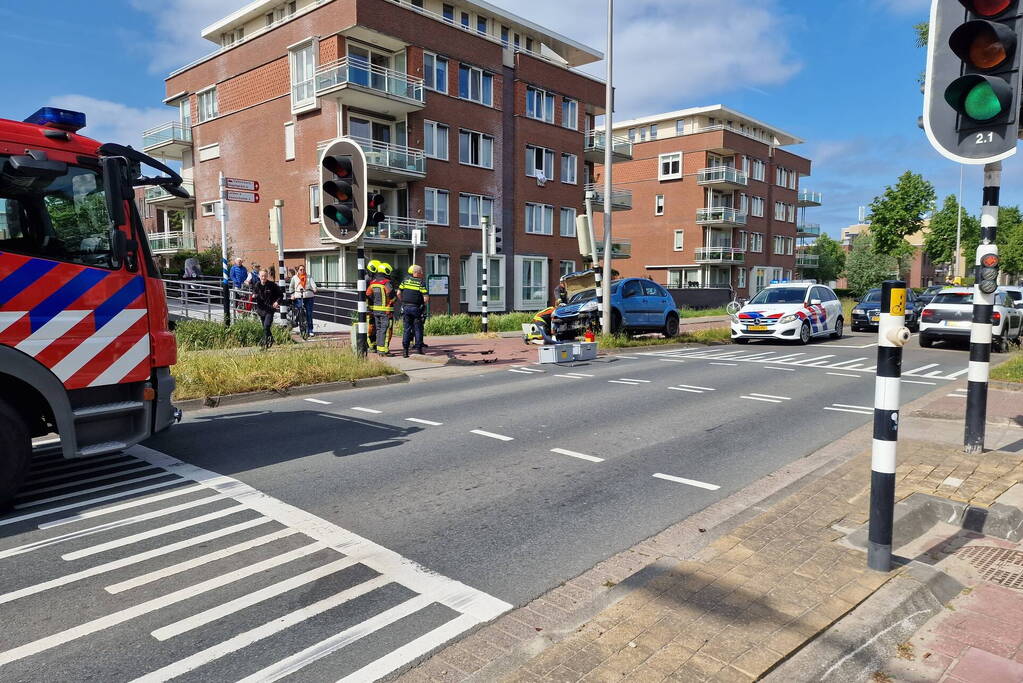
x=118 y=247
x=113 y=186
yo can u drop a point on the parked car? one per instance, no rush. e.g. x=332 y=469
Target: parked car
x=924 y=297
x=1015 y=292
x=949 y=317
x=638 y=306
x=866 y=314
x=793 y=310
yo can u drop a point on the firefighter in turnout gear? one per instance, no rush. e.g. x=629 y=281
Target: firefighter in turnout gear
x=414 y=298
x=381 y=305
x=542 y=326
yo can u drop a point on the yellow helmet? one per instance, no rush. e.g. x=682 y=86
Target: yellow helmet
x=385 y=268
x=373 y=266
x=411 y=268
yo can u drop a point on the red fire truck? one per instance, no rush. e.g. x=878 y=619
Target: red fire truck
x=85 y=345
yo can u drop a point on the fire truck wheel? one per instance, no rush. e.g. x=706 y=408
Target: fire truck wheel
x=14 y=435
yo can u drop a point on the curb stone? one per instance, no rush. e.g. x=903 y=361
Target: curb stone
x=255 y=396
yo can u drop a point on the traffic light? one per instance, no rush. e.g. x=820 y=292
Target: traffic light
x=987 y=273
x=972 y=88
x=495 y=238
x=375 y=209
x=342 y=177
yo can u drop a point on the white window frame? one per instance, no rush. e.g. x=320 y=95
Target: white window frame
x=303 y=85
x=778 y=246
x=536 y=263
x=680 y=240
x=743 y=240
x=680 y=126
x=566 y=228
x=478 y=146
x=289 y=141
x=206 y=104
x=743 y=203
x=570 y=121
x=757 y=206
x=569 y=170
x=542 y=108
x=745 y=164
x=478 y=202
x=790 y=245
x=791 y=213
x=671 y=158
x=434 y=263
x=314 y=203
x=431 y=60
x=653 y=131
x=545 y=213
x=435 y=140
x=759 y=170
x=434 y=201
x=756 y=242
x=562 y=270
x=779 y=211
x=741 y=279
x=482 y=76
x=548 y=161
x=659 y=205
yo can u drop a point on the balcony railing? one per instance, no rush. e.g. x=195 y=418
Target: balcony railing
x=158 y=194
x=167 y=133
x=347 y=71
x=721 y=255
x=807 y=260
x=596 y=141
x=393 y=157
x=621 y=199
x=720 y=214
x=397 y=229
x=808 y=230
x=171 y=241
x=808 y=198
x=721 y=174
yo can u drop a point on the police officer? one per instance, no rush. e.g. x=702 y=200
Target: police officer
x=414 y=298
x=381 y=305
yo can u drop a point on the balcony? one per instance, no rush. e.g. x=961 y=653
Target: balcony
x=620 y=248
x=808 y=230
x=169 y=141
x=170 y=242
x=808 y=198
x=164 y=199
x=720 y=255
x=807 y=260
x=722 y=178
x=596 y=143
x=621 y=199
x=387 y=162
x=720 y=215
x=396 y=230
x=371 y=87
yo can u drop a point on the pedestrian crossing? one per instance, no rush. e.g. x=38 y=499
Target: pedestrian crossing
x=148 y=568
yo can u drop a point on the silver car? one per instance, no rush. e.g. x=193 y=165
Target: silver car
x=949 y=317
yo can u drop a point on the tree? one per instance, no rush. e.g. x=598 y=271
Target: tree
x=1012 y=254
x=865 y=268
x=831 y=259
x=900 y=212
x=940 y=241
x=1010 y=223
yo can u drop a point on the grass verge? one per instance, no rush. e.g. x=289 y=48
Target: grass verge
x=218 y=373
x=684 y=313
x=621 y=341
x=202 y=335
x=445 y=324
x=1011 y=371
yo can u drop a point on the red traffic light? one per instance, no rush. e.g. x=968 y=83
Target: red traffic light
x=376 y=201
x=987 y=8
x=341 y=166
x=989 y=260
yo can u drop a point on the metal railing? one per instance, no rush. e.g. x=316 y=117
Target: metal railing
x=158 y=194
x=807 y=260
x=396 y=228
x=620 y=197
x=167 y=132
x=720 y=255
x=171 y=241
x=808 y=230
x=738 y=131
x=597 y=141
x=720 y=214
x=721 y=174
x=387 y=156
x=349 y=71
x=809 y=197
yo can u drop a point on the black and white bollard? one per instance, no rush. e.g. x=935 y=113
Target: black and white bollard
x=892 y=335
x=361 y=327
x=485 y=287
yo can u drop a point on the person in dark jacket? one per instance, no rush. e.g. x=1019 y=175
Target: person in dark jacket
x=414 y=298
x=266 y=297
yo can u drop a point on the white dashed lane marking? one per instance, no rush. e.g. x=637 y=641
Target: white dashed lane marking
x=782 y=369
x=729 y=364
x=499 y=437
x=318 y=401
x=367 y=410
x=423 y=422
x=689 y=482
x=581 y=456
x=843 y=374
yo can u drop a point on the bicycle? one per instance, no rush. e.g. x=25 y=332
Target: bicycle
x=296 y=315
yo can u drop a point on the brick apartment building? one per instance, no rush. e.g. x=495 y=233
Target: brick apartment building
x=459 y=107
x=922 y=271
x=716 y=201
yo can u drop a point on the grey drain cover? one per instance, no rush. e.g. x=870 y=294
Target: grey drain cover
x=998 y=565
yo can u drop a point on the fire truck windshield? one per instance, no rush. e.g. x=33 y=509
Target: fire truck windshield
x=63 y=218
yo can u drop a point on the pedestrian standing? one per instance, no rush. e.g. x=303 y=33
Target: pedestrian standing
x=381 y=298
x=414 y=298
x=239 y=274
x=303 y=289
x=267 y=296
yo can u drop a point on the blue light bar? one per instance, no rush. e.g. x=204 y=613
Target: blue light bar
x=64 y=119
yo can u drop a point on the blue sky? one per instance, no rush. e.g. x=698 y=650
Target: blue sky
x=840 y=75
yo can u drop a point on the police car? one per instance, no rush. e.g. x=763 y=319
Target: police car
x=797 y=311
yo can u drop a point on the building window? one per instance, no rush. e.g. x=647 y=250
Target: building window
x=481 y=25
x=779 y=211
x=289 y=141
x=779 y=245
x=743 y=203
x=208 y=208
x=659 y=205
x=758 y=170
x=539 y=162
x=569 y=165
x=653 y=131
x=790 y=244
x=632 y=135
x=206 y=102
x=670 y=167
x=742 y=240
x=566 y=267
x=472 y=207
x=791 y=212
x=435 y=72
x=435 y=208
x=570 y=113
x=741 y=273
x=567 y=227
x=303 y=71
x=679 y=239
x=793 y=177
x=435 y=140
x=745 y=164
x=475 y=149
x=465 y=20
x=756 y=242
x=504 y=35
x=680 y=127
x=475 y=85
x=463 y=284
x=757 y=206
x=438 y=264
x=495 y=282
x=448 y=12
x=539 y=104
x=533 y=290
x=418 y=4
x=539 y=219
x=314 y=203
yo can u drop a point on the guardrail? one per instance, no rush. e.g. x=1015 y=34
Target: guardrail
x=807 y=260
x=158 y=194
x=167 y=132
x=720 y=214
x=620 y=197
x=348 y=71
x=596 y=141
x=809 y=197
x=720 y=255
x=171 y=241
x=721 y=174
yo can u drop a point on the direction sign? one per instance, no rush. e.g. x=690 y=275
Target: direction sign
x=241 y=184
x=239 y=196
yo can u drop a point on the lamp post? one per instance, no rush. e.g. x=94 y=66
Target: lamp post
x=605 y=321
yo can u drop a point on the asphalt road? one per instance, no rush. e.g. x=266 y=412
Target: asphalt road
x=344 y=534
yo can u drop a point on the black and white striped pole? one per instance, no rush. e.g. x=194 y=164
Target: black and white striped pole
x=892 y=335
x=361 y=329
x=984 y=288
x=484 y=289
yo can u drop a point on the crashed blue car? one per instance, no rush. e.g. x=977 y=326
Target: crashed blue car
x=638 y=306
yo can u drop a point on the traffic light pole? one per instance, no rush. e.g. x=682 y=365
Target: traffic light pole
x=605 y=315
x=983 y=306
x=361 y=343
x=484 y=289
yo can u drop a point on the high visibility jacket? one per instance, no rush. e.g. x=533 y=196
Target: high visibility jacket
x=413 y=292
x=380 y=295
x=544 y=316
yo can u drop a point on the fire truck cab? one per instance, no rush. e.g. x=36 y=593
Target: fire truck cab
x=85 y=344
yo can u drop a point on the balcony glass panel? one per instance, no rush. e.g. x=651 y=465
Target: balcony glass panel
x=171 y=241
x=397 y=228
x=719 y=174
x=596 y=140
x=168 y=132
x=394 y=157
x=720 y=214
x=359 y=72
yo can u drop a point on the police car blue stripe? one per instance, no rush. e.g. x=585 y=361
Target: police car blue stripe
x=106 y=311
x=29 y=272
x=65 y=296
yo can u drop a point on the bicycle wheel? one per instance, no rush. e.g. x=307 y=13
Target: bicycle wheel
x=303 y=323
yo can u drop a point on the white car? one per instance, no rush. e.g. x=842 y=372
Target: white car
x=797 y=311
x=949 y=317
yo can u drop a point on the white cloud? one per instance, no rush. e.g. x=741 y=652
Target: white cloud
x=175 y=39
x=112 y=121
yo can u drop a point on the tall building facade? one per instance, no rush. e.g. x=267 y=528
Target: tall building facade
x=716 y=201
x=464 y=111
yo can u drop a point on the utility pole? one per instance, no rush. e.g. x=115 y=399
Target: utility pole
x=605 y=315
x=277 y=230
x=597 y=276
x=225 y=285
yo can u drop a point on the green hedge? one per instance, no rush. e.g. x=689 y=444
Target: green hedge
x=463 y=323
x=203 y=335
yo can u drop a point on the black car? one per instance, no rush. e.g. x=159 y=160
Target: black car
x=925 y=297
x=867 y=311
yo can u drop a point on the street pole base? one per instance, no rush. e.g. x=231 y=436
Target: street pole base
x=879 y=557
x=973 y=448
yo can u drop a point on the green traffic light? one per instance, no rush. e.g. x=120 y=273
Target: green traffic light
x=981 y=102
